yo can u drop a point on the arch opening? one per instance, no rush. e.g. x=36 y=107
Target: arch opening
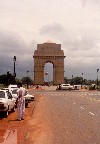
x=48 y=73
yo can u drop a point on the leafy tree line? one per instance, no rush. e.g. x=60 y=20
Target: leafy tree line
x=80 y=81
x=7 y=79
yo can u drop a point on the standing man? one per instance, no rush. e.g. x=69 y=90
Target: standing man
x=21 y=101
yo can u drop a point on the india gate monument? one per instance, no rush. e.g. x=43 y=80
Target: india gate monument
x=52 y=53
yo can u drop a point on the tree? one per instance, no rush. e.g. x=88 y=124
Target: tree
x=17 y=80
x=77 y=80
x=7 y=79
x=26 y=80
x=3 y=79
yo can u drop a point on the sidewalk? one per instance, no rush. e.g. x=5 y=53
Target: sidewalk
x=43 y=88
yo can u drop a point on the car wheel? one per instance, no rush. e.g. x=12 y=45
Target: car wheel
x=13 y=109
x=69 y=89
x=6 y=113
x=26 y=104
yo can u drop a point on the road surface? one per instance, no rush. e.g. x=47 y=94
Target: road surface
x=66 y=117
x=56 y=117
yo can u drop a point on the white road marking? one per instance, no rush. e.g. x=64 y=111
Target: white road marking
x=81 y=107
x=91 y=113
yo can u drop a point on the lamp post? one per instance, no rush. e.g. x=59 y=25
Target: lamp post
x=14 y=74
x=82 y=80
x=97 y=78
x=72 y=79
x=8 y=77
x=27 y=79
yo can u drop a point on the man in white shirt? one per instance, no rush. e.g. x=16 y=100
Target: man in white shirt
x=21 y=101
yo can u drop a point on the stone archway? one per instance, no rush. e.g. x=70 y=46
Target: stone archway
x=49 y=52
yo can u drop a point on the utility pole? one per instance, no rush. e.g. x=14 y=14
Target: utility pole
x=14 y=74
x=97 y=78
x=82 y=80
x=27 y=79
x=8 y=78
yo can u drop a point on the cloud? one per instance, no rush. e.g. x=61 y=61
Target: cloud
x=88 y=2
x=79 y=45
x=12 y=45
x=52 y=29
x=84 y=2
x=55 y=31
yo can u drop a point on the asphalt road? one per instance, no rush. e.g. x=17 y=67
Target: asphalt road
x=56 y=117
x=66 y=117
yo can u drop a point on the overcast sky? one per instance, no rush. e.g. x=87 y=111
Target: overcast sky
x=75 y=24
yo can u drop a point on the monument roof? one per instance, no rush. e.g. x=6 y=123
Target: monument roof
x=49 y=41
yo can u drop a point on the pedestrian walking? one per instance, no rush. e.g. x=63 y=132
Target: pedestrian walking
x=21 y=102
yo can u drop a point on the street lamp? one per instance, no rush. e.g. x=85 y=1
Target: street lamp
x=82 y=80
x=72 y=79
x=8 y=77
x=27 y=79
x=14 y=74
x=97 y=78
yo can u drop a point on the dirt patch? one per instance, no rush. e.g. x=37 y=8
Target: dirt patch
x=10 y=127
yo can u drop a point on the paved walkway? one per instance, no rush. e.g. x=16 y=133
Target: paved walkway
x=49 y=88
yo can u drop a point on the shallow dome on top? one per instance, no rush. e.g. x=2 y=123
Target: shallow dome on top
x=49 y=41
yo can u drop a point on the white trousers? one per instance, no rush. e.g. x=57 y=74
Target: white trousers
x=21 y=108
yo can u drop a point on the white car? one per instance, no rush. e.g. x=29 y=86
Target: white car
x=28 y=97
x=65 y=87
x=7 y=102
x=11 y=87
x=14 y=93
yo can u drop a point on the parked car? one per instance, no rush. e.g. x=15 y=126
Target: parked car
x=6 y=89
x=28 y=97
x=11 y=87
x=7 y=102
x=77 y=87
x=65 y=87
x=14 y=93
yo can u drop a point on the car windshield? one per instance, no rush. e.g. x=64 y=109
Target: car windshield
x=2 y=94
x=14 y=91
x=13 y=87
